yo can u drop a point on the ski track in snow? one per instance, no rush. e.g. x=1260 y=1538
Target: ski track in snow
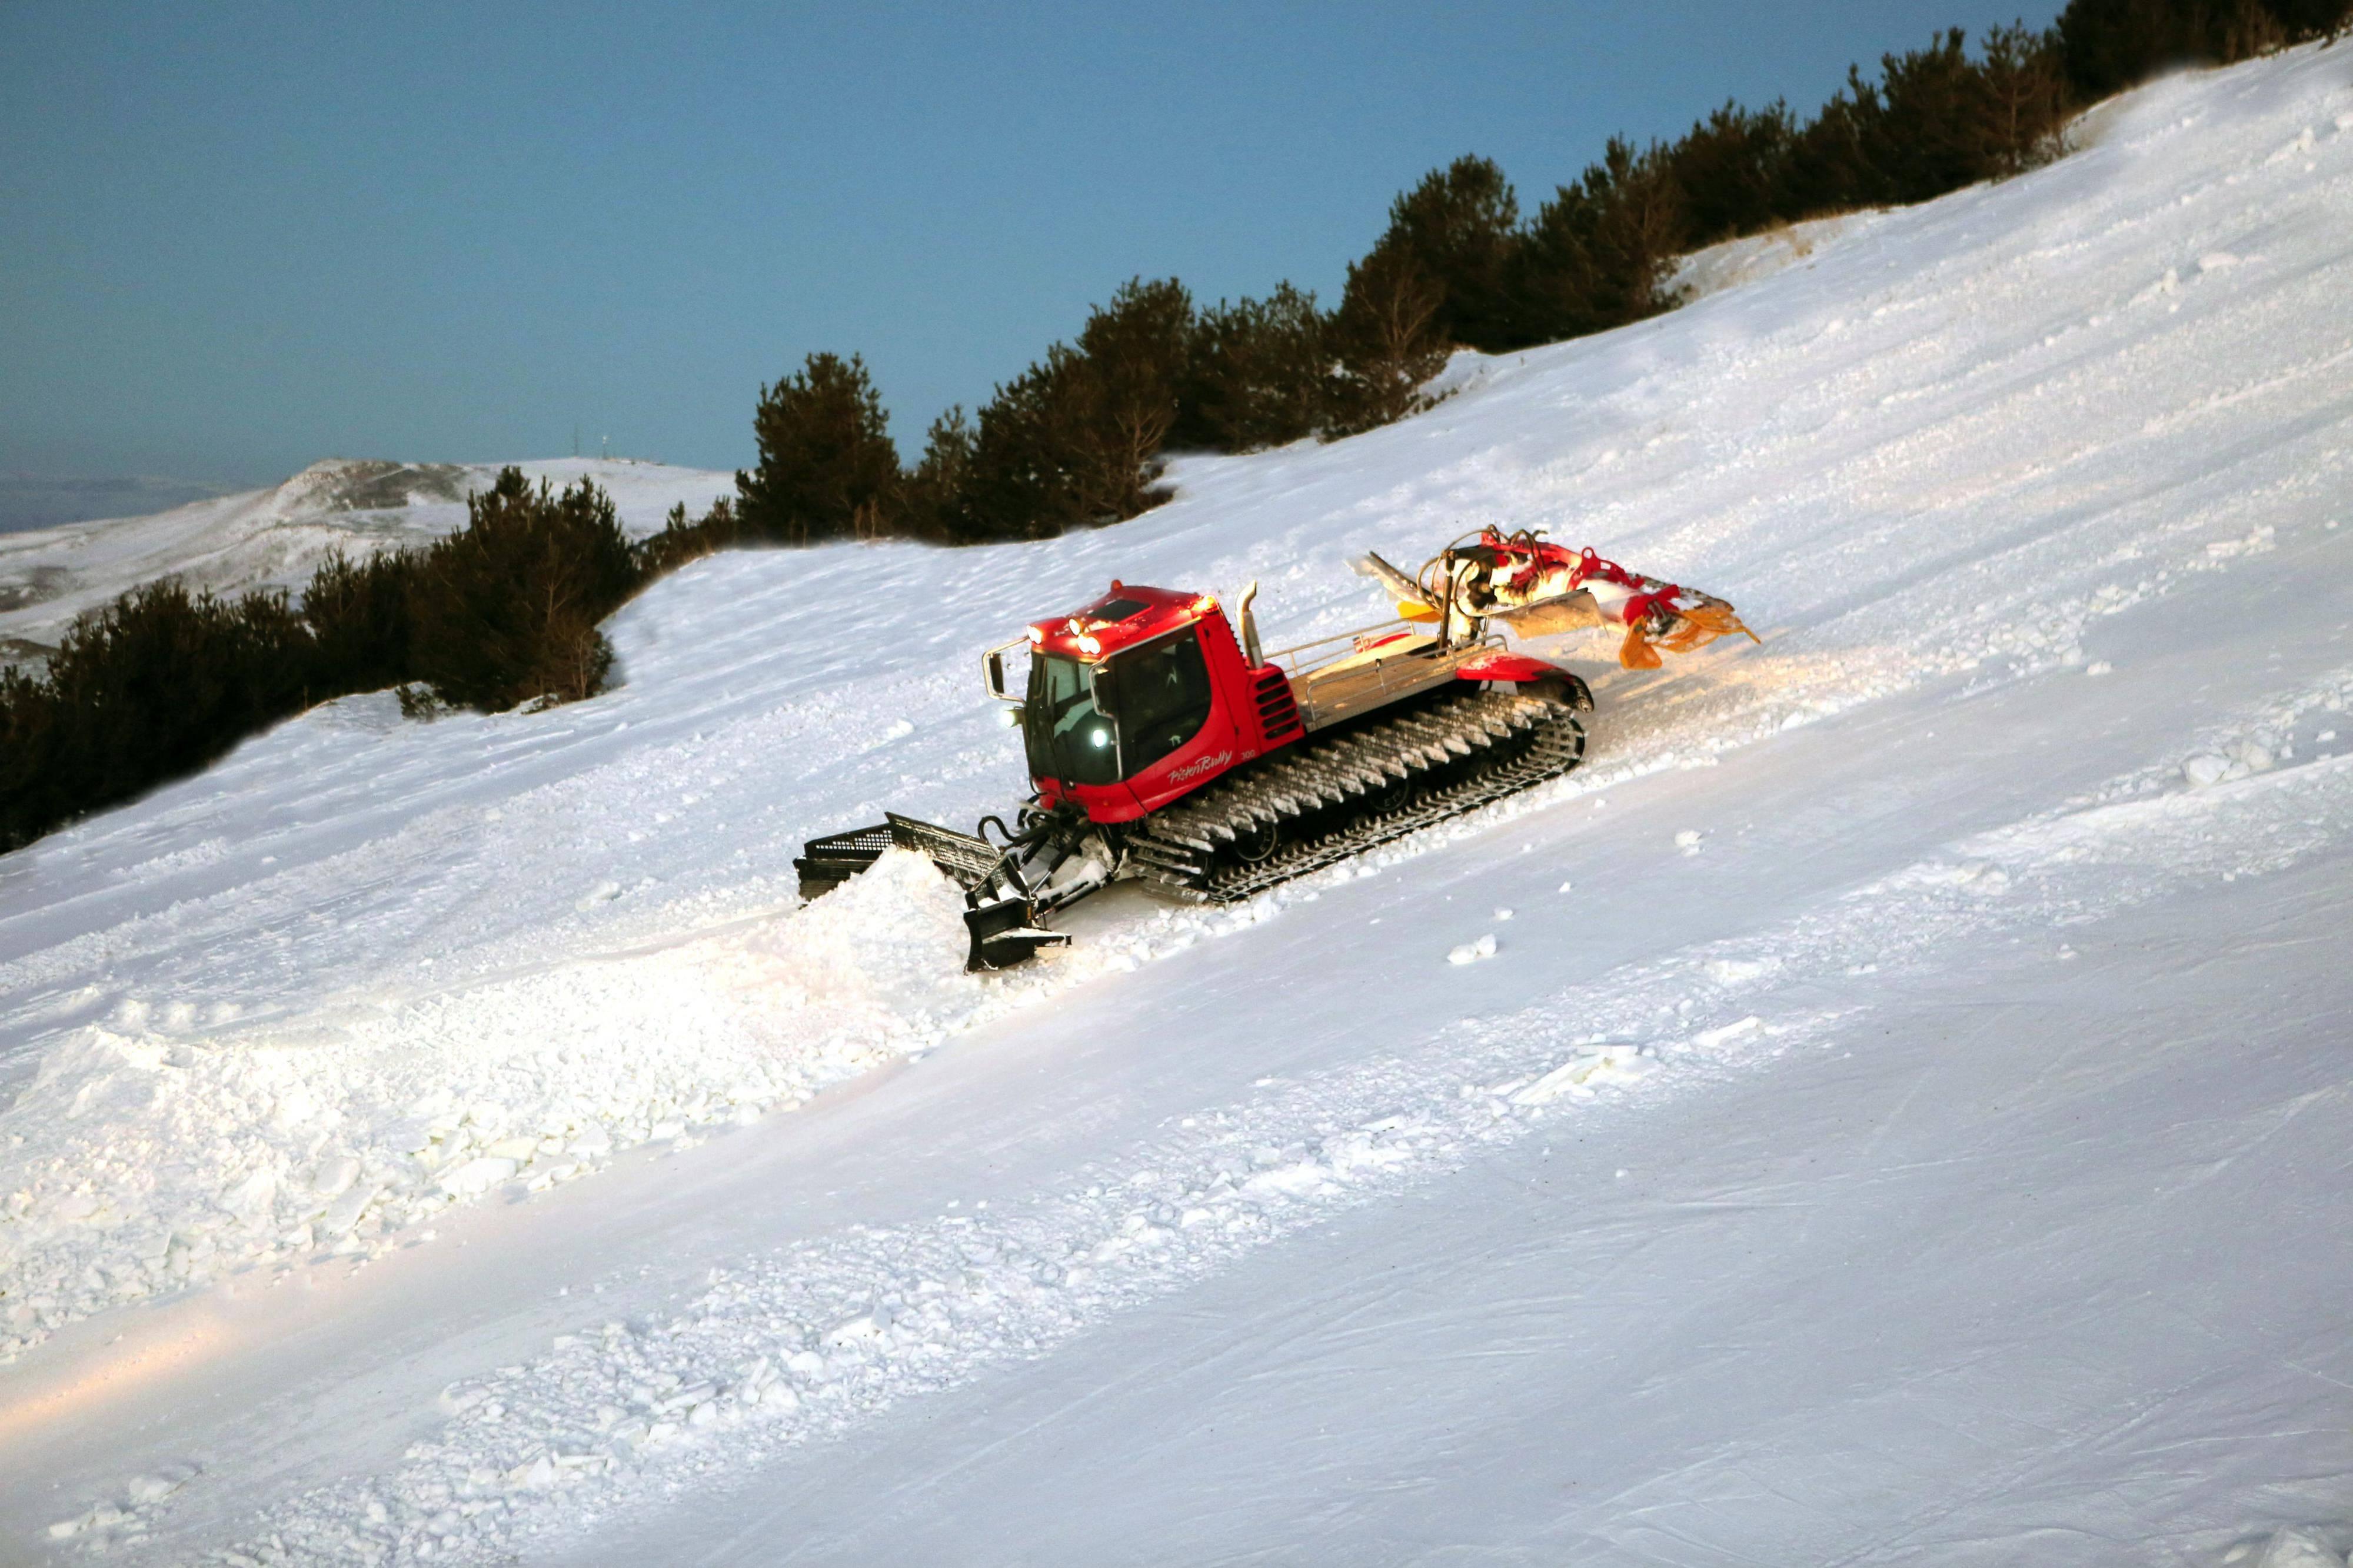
x=363 y=970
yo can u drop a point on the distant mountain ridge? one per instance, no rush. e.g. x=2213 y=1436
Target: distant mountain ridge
x=277 y=537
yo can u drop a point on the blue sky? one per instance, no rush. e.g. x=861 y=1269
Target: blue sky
x=238 y=239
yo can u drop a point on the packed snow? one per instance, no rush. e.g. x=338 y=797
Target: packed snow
x=1888 y=1106
x=276 y=538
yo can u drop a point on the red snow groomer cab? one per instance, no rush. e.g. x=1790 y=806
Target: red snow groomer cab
x=1163 y=743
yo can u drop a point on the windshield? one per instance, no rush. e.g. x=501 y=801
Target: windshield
x=1066 y=737
x=1160 y=695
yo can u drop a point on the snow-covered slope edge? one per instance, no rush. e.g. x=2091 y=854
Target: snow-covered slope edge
x=277 y=537
x=1731 y=263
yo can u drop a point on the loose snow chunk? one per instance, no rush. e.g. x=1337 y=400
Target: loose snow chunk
x=1709 y=1039
x=1980 y=877
x=2297 y=1548
x=535 y=1475
x=858 y=1331
x=1688 y=840
x=2256 y=541
x=1473 y=952
x=146 y=1489
x=344 y=1213
x=250 y=1199
x=478 y=1175
x=2205 y=770
x=1733 y=971
x=1291 y=1181
x=1577 y=1076
x=333 y=1176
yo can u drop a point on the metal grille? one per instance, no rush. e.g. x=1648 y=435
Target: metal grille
x=964 y=857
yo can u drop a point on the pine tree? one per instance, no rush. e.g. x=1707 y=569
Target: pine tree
x=827 y=468
x=1728 y=168
x=2022 y=104
x=2304 y=19
x=506 y=609
x=1258 y=373
x=934 y=504
x=1074 y=441
x=1830 y=168
x=681 y=541
x=1924 y=140
x=147 y=688
x=1598 y=253
x=1388 y=340
x=1458 y=228
x=1137 y=351
x=358 y=615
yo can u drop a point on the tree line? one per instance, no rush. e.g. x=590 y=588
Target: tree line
x=1078 y=437
x=506 y=610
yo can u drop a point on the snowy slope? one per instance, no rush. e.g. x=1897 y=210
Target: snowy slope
x=1906 y=1118
x=277 y=537
x=1752 y=258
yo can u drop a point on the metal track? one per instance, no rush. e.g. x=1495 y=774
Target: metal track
x=1337 y=796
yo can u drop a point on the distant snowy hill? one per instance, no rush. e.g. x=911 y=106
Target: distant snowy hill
x=1907 y=1117
x=277 y=537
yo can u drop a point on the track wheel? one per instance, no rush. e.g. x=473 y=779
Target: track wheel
x=1254 y=844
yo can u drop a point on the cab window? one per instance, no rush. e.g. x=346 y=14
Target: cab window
x=1162 y=695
